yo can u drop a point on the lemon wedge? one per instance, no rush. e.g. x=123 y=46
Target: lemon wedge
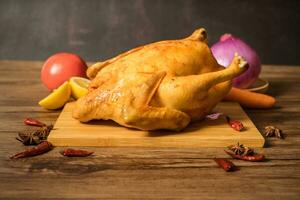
x=57 y=98
x=79 y=86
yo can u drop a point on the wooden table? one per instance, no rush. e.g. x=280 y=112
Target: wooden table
x=144 y=172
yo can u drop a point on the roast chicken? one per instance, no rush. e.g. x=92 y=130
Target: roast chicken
x=163 y=85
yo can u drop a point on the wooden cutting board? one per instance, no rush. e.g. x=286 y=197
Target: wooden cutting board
x=207 y=133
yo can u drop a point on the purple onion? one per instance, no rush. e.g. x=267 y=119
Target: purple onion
x=224 y=51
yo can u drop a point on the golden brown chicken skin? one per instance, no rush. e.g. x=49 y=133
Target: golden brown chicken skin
x=163 y=85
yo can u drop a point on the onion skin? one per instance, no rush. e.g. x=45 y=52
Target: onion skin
x=224 y=51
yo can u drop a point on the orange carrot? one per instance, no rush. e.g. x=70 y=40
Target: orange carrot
x=250 y=99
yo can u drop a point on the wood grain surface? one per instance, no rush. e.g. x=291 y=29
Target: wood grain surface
x=68 y=131
x=146 y=173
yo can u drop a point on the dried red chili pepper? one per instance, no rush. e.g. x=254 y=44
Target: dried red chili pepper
x=33 y=122
x=225 y=164
x=236 y=125
x=253 y=158
x=43 y=147
x=75 y=152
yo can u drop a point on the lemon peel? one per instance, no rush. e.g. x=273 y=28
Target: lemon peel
x=57 y=98
x=79 y=86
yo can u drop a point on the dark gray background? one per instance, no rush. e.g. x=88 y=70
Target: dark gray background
x=96 y=30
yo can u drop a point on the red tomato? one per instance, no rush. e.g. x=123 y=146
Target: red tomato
x=61 y=67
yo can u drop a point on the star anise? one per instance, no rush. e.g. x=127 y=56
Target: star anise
x=241 y=150
x=272 y=131
x=33 y=137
